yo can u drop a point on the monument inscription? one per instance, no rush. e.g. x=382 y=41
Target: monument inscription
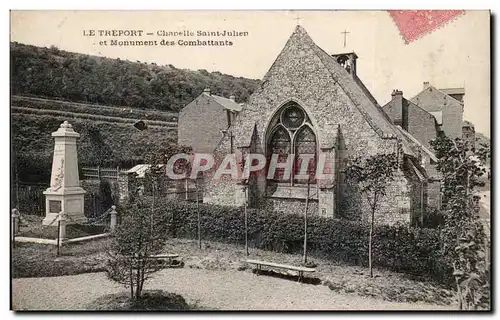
x=55 y=206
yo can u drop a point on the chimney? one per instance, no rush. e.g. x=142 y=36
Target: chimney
x=207 y=91
x=397 y=107
x=426 y=84
x=232 y=98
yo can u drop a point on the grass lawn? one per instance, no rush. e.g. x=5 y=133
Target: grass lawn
x=31 y=226
x=40 y=260
x=36 y=260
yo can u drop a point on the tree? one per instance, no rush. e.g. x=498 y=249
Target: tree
x=141 y=234
x=143 y=229
x=372 y=175
x=463 y=232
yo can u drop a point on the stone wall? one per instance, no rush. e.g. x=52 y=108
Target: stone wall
x=200 y=124
x=421 y=125
x=292 y=206
x=433 y=100
x=434 y=197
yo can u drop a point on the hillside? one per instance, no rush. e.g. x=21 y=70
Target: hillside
x=102 y=98
x=53 y=73
x=107 y=135
x=41 y=106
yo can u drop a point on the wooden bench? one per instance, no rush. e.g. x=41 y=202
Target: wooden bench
x=301 y=270
x=168 y=257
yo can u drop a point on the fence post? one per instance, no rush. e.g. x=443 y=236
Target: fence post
x=61 y=231
x=15 y=225
x=113 y=218
x=98 y=172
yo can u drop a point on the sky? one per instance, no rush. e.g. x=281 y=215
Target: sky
x=455 y=55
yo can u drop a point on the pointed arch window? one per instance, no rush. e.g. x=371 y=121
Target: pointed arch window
x=305 y=150
x=291 y=132
x=280 y=144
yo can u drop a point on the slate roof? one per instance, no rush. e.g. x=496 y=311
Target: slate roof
x=358 y=94
x=453 y=90
x=466 y=123
x=372 y=112
x=226 y=103
x=354 y=89
x=411 y=139
x=431 y=99
x=141 y=169
x=438 y=115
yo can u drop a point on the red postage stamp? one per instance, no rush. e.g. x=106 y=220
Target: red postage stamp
x=413 y=24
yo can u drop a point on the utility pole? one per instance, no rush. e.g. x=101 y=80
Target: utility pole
x=246 y=220
x=305 y=221
x=198 y=212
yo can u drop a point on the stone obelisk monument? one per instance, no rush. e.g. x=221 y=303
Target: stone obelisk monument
x=64 y=194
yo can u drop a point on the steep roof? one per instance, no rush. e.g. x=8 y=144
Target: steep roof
x=370 y=110
x=356 y=91
x=226 y=103
x=466 y=123
x=352 y=87
x=411 y=139
x=432 y=99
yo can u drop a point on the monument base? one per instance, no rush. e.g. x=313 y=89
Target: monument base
x=68 y=200
x=51 y=219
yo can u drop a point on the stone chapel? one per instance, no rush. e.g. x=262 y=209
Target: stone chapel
x=312 y=102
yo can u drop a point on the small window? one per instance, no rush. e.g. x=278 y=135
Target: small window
x=293 y=117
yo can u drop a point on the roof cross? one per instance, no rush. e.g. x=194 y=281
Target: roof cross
x=345 y=32
x=298 y=18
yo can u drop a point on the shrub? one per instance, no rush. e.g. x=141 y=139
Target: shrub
x=399 y=248
x=141 y=235
x=151 y=300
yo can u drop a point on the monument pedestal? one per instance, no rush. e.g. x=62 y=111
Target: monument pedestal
x=71 y=202
x=64 y=194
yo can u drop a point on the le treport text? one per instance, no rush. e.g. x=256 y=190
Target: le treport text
x=215 y=38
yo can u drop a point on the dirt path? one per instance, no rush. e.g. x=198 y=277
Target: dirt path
x=222 y=290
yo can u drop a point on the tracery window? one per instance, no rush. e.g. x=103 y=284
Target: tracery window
x=280 y=144
x=291 y=132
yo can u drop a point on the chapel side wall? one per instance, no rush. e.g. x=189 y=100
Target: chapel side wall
x=434 y=196
x=421 y=125
x=433 y=184
x=395 y=207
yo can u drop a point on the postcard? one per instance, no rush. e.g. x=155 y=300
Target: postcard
x=250 y=160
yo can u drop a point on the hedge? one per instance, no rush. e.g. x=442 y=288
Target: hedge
x=413 y=251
